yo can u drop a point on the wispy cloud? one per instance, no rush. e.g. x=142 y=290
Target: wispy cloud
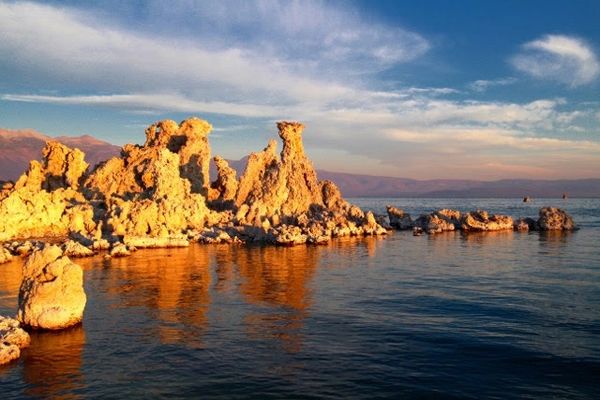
x=561 y=58
x=482 y=85
x=153 y=101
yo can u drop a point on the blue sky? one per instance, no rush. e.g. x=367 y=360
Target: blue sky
x=420 y=89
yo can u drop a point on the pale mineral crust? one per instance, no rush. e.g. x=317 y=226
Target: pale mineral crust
x=51 y=295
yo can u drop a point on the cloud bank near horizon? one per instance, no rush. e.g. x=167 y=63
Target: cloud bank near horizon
x=319 y=63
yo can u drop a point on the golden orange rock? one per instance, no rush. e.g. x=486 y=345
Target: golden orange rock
x=51 y=295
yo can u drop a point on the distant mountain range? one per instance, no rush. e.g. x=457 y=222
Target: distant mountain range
x=18 y=147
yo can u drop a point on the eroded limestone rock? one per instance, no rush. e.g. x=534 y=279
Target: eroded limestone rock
x=154 y=193
x=552 y=219
x=51 y=295
x=62 y=168
x=225 y=187
x=45 y=200
x=12 y=333
x=434 y=223
x=478 y=221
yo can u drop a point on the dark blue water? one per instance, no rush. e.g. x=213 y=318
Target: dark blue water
x=491 y=315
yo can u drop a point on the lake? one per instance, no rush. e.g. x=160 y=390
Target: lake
x=483 y=315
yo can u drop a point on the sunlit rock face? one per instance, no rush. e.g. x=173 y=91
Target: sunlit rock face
x=51 y=295
x=282 y=195
x=477 y=221
x=45 y=201
x=12 y=339
x=62 y=168
x=159 y=194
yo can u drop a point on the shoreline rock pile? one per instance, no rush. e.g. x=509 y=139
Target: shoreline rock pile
x=550 y=219
x=159 y=194
x=12 y=339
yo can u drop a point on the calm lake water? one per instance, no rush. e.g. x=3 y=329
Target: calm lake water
x=491 y=315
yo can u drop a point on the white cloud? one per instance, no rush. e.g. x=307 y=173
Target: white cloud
x=259 y=77
x=561 y=58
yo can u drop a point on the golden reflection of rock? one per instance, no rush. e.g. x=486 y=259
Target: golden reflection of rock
x=10 y=280
x=488 y=238
x=554 y=241
x=171 y=284
x=52 y=364
x=277 y=277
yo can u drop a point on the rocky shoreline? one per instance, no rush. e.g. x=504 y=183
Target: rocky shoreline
x=550 y=219
x=159 y=194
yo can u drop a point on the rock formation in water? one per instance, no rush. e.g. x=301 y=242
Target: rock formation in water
x=552 y=219
x=399 y=219
x=439 y=221
x=12 y=339
x=51 y=295
x=159 y=195
x=479 y=221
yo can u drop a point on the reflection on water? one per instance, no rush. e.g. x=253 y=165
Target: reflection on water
x=52 y=364
x=278 y=277
x=454 y=314
x=10 y=280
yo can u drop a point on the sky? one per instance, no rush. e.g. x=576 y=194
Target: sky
x=419 y=89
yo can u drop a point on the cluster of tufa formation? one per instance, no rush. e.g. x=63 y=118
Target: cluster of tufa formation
x=159 y=194
x=12 y=339
x=550 y=219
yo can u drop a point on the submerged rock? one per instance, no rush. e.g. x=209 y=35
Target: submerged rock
x=552 y=219
x=51 y=295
